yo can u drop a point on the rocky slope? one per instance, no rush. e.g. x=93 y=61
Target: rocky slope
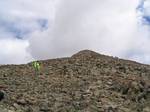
x=85 y=82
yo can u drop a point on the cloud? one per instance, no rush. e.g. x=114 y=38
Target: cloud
x=14 y=51
x=56 y=28
x=23 y=17
x=85 y=24
x=18 y=19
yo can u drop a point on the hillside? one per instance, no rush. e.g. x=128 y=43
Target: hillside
x=85 y=82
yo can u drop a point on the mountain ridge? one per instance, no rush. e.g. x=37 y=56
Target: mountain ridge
x=85 y=82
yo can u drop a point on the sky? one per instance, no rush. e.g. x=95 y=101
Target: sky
x=45 y=29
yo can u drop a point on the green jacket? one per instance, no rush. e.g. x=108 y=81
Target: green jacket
x=36 y=65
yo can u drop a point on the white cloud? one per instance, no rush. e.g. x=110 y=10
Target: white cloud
x=14 y=51
x=26 y=8
x=85 y=24
x=111 y=27
x=21 y=17
x=147 y=7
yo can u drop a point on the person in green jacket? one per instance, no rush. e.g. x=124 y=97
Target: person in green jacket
x=36 y=67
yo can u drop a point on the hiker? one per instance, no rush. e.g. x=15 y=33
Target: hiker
x=36 y=67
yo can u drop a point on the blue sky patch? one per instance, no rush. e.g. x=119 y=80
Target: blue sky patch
x=14 y=29
x=43 y=23
x=141 y=6
x=20 y=30
x=145 y=17
x=146 y=20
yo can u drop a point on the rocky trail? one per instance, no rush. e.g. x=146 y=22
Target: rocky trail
x=85 y=82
